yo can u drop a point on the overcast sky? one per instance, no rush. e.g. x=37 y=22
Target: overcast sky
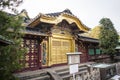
x=88 y=11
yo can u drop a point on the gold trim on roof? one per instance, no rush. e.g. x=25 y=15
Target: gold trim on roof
x=34 y=23
x=57 y=19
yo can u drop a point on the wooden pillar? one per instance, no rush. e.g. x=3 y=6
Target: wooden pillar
x=49 y=51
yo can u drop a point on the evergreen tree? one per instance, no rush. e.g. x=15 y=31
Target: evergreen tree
x=108 y=37
x=10 y=28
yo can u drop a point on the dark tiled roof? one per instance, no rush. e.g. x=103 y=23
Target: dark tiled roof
x=56 y=14
x=88 y=39
x=10 y=14
x=25 y=19
x=67 y=11
x=34 y=31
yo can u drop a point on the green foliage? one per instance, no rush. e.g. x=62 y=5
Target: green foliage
x=10 y=55
x=108 y=36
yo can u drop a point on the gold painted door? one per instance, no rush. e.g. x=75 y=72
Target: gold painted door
x=59 y=49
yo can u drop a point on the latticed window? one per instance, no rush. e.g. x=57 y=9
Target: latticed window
x=31 y=57
x=98 y=51
x=91 y=51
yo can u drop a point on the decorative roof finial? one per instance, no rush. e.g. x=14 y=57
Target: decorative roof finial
x=67 y=11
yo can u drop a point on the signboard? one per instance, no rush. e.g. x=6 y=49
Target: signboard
x=73 y=68
x=74 y=58
x=73 y=61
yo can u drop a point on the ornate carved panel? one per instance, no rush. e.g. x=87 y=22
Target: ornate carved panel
x=61 y=30
x=31 y=57
x=44 y=51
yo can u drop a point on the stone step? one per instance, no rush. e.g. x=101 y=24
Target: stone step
x=34 y=75
x=70 y=75
x=62 y=70
x=40 y=78
x=54 y=75
x=65 y=72
x=67 y=68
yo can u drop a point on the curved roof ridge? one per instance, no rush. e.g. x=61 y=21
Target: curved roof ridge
x=34 y=18
x=54 y=18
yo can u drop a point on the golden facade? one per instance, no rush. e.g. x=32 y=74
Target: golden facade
x=61 y=29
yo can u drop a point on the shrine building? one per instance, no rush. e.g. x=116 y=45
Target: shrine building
x=48 y=37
